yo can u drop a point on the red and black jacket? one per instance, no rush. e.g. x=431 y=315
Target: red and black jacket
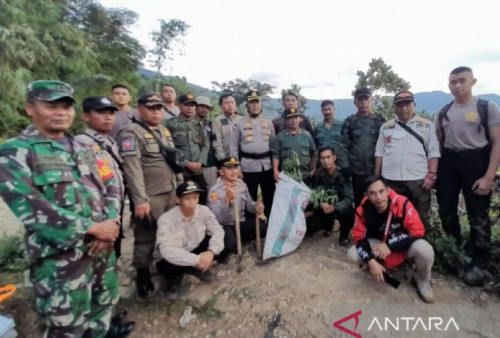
x=405 y=228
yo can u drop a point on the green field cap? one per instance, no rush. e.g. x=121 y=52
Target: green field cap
x=49 y=90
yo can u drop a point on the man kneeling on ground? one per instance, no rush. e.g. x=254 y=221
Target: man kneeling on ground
x=221 y=201
x=188 y=238
x=387 y=231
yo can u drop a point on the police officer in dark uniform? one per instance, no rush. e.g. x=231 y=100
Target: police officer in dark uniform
x=360 y=133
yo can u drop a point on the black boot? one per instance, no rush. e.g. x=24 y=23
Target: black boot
x=145 y=286
x=118 y=330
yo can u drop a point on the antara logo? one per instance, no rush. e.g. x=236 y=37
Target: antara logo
x=385 y=324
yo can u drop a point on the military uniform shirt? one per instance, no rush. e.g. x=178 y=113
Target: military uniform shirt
x=211 y=160
x=145 y=169
x=57 y=193
x=403 y=156
x=339 y=182
x=222 y=130
x=332 y=136
x=253 y=136
x=360 y=136
x=301 y=143
x=189 y=136
x=225 y=213
x=103 y=147
x=177 y=236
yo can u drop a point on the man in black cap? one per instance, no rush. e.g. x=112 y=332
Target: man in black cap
x=252 y=140
x=290 y=101
x=221 y=201
x=407 y=154
x=151 y=181
x=100 y=114
x=360 y=133
x=191 y=139
x=188 y=239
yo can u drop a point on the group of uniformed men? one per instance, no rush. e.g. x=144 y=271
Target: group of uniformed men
x=70 y=192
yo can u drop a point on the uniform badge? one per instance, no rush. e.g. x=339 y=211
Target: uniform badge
x=128 y=144
x=167 y=133
x=96 y=147
x=471 y=117
x=214 y=196
x=105 y=172
x=249 y=138
x=248 y=125
x=148 y=135
x=388 y=139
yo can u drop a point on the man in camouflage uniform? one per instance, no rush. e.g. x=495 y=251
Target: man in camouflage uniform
x=251 y=141
x=190 y=137
x=203 y=109
x=69 y=207
x=328 y=133
x=100 y=115
x=294 y=140
x=151 y=181
x=360 y=133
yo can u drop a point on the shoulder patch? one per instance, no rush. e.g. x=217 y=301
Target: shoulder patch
x=423 y=120
x=224 y=122
x=389 y=124
x=105 y=171
x=214 y=196
x=96 y=147
x=128 y=144
x=167 y=132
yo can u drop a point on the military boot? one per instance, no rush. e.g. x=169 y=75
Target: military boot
x=474 y=275
x=145 y=286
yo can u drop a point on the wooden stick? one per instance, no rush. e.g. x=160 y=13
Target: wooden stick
x=239 y=257
x=257 y=238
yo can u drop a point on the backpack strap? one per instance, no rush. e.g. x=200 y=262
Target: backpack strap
x=482 y=110
x=443 y=114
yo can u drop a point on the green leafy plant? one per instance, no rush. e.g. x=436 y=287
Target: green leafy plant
x=12 y=254
x=291 y=166
x=322 y=195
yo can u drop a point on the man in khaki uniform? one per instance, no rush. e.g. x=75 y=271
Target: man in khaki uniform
x=223 y=126
x=190 y=138
x=151 y=181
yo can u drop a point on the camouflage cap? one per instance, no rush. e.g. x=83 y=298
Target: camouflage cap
x=49 y=90
x=150 y=100
x=187 y=188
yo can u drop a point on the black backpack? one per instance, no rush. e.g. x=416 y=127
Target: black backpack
x=482 y=110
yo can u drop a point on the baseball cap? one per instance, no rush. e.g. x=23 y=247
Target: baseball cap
x=292 y=112
x=97 y=103
x=150 y=100
x=49 y=90
x=360 y=92
x=187 y=188
x=186 y=98
x=253 y=95
x=203 y=100
x=228 y=162
x=403 y=95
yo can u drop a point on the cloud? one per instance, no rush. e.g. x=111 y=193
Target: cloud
x=265 y=77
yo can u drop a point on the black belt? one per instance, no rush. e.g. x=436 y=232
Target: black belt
x=464 y=151
x=255 y=156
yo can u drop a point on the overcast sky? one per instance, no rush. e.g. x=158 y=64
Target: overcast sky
x=321 y=44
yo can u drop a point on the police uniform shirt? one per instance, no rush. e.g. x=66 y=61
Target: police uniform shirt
x=145 y=168
x=170 y=113
x=178 y=236
x=403 y=156
x=225 y=213
x=254 y=136
x=463 y=130
x=222 y=129
x=106 y=149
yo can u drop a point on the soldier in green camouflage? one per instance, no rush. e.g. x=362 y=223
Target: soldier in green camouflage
x=68 y=204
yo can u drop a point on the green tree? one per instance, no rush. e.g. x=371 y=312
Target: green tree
x=239 y=88
x=296 y=89
x=166 y=39
x=384 y=83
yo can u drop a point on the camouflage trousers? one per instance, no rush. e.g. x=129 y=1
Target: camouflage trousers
x=75 y=294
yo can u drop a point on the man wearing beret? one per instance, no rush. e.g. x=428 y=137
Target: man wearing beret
x=151 y=181
x=407 y=154
x=251 y=141
x=189 y=237
x=69 y=207
x=191 y=139
x=228 y=190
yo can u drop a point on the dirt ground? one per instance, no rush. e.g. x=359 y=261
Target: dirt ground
x=299 y=295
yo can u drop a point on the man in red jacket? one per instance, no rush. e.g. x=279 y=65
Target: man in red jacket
x=387 y=231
